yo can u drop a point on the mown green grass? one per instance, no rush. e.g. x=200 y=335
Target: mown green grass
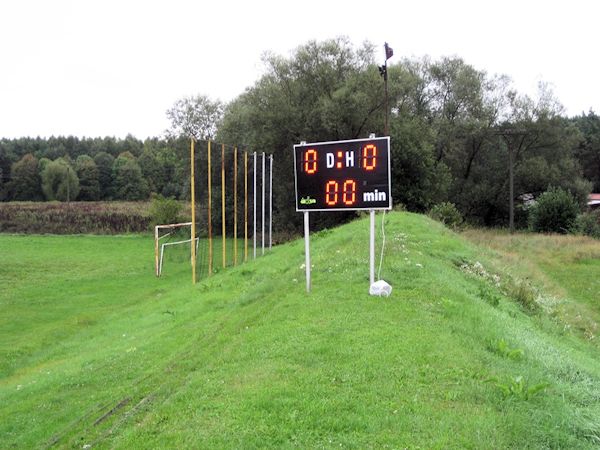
x=96 y=351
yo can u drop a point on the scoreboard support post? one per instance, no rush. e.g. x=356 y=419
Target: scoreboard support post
x=372 y=247
x=270 y=202
x=254 y=208
x=307 y=249
x=262 y=204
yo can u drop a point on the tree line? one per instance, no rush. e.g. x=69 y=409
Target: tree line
x=451 y=126
x=90 y=169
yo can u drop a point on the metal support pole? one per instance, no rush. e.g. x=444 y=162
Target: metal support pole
x=270 y=202
x=223 y=224
x=263 y=204
x=209 y=225
x=156 y=251
x=245 y=206
x=235 y=250
x=386 y=131
x=388 y=54
x=254 y=208
x=193 y=200
x=307 y=249
x=372 y=247
x=511 y=183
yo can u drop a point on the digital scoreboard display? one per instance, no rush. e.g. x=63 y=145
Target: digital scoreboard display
x=343 y=175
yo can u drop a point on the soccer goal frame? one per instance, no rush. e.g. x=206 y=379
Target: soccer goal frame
x=159 y=248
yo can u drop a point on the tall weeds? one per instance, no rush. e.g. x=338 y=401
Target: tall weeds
x=74 y=217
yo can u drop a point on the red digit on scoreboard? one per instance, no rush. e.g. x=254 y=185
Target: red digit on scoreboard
x=310 y=161
x=349 y=192
x=369 y=157
x=331 y=193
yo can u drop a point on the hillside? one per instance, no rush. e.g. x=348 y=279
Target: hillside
x=94 y=351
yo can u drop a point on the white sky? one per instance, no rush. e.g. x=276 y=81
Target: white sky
x=112 y=67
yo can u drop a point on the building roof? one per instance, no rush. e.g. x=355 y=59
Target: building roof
x=593 y=200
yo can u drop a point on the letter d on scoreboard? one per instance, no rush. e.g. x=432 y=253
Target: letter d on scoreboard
x=343 y=175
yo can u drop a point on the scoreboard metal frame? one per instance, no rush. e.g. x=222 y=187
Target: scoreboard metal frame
x=344 y=175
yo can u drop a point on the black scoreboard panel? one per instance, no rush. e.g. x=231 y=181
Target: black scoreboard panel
x=343 y=175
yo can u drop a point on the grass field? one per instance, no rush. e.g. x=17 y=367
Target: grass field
x=95 y=351
x=565 y=268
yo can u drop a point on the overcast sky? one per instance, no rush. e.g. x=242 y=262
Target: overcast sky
x=113 y=67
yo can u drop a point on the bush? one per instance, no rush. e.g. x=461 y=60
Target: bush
x=446 y=213
x=554 y=212
x=588 y=224
x=164 y=210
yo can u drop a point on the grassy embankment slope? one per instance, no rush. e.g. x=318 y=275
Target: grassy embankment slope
x=565 y=268
x=95 y=351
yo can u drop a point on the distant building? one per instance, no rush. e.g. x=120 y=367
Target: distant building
x=528 y=200
x=594 y=201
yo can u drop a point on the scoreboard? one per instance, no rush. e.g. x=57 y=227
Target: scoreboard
x=343 y=175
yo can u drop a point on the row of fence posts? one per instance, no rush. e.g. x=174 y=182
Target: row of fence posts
x=265 y=242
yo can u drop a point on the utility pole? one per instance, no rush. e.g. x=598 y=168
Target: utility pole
x=509 y=136
x=383 y=72
x=511 y=188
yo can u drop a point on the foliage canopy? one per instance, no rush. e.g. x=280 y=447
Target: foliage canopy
x=449 y=124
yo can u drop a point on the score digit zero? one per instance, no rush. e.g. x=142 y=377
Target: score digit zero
x=343 y=175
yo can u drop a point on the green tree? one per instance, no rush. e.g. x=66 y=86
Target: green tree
x=152 y=170
x=132 y=145
x=196 y=116
x=531 y=131
x=55 y=149
x=129 y=183
x=104 y=163
x=587 y=151
x=454 y=108
x=169 y=162
x=89 y=178
x=324 y=91
x=543 y=146
x=60 y=181
x=42 y=163
x=25 y=180
x=6 y=158
x=418 y=180
x=554 y=212
x=103 y=145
